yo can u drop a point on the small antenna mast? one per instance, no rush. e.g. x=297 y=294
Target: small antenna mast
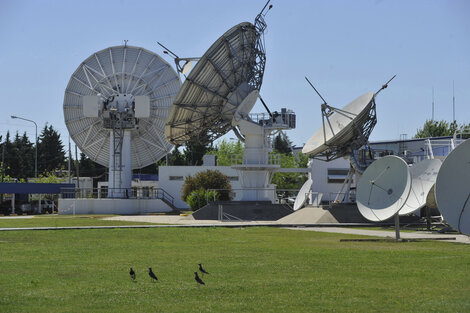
x=167 y=51
x=269 y=8
x=453 y=102
x=432 y=118
x=324 y=102
x=177 y=59
x=384 y=85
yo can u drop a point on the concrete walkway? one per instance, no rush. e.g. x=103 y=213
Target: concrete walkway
x=387 y=234
x=189 y=221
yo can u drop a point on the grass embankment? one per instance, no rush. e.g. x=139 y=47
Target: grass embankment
x=62 y=221
x=251 y=270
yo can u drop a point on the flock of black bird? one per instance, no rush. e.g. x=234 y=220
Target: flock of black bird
x=153 y=277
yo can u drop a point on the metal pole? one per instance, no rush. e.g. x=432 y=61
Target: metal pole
x=70 y=157
x=397 y=227
x=36 y=153
x=77 y=166
x=36 y=140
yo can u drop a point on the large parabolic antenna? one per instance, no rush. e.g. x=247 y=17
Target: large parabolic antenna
x=230 y=70
x=350 y=125
x=383 y=188
x=115 y=108
x=453 y=188
x=423 y=177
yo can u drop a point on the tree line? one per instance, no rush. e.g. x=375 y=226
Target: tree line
x=18 y=154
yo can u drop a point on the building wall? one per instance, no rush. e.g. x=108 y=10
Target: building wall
x=171 y=179
x=320 y=182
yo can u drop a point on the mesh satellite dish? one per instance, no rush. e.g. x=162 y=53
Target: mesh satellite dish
x=453 y=188
x=423 y=177
x=230 y=71
x=115 y=107
x=383 y=188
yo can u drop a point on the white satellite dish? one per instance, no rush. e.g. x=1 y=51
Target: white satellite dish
x=115 y=107
x=342 y=127
x=302 y=196
x=431 y=198
x=383 y=188
x=453 y=188
x=423 y=177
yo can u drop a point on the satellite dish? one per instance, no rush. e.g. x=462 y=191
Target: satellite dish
x=453 y=188
x=383 y=188
x=431 y=198
x=121 y=78
x=187 y=67
x=423 y=177
x=302 y=196
x=230 y=70
x=343 y=127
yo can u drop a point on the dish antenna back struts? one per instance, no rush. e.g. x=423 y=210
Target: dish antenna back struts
x=343 y=132
x=452 y=188
x=219 y=94
x=230 y=70
x=115 y=107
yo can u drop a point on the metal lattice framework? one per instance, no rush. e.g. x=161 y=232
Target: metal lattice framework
x=121 y=70
x=343 y=130
x=230 y=69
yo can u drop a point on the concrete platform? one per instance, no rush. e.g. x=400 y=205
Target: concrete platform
x=243 y=211
x=112 y=206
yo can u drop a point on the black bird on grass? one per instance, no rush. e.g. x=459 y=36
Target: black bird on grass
x=152 y=274
x=199 y=281
x=132 y=273
x=203 y=271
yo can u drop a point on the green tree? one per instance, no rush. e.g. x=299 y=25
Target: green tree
x=224 y=151
x=194 y=151
x=436 y=129
x=291 y=180
x=282 y=145
x=51 y=154
x=25 y=156
x=89 y=168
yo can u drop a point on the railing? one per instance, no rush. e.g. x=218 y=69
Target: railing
x=284 y=196
x=281 y=119
x=273 y=159
x=119 y=193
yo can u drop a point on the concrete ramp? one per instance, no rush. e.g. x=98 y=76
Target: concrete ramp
x=242 y=211
x=339 y=213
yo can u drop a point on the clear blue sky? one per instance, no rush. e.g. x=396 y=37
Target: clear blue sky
x=346 y=48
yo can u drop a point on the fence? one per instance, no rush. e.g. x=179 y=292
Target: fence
x=123 y=193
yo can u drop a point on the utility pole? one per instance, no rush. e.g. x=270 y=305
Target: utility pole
x=70 y=160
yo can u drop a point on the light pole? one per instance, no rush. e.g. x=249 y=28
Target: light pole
x=36 y=151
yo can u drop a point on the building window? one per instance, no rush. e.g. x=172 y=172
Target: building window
x=337 y=175
x=176 y=177
x=233 y=178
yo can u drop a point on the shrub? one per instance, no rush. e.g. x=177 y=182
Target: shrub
x=203 y=181
x=198 y=198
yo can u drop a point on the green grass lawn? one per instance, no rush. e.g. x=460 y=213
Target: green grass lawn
x=62 y=221
x=251 y=270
